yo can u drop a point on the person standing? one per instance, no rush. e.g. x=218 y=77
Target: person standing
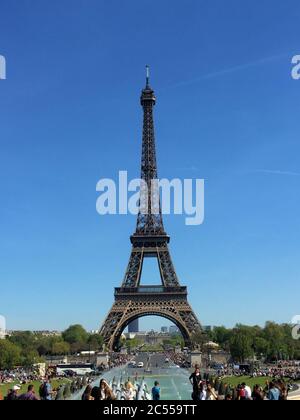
x=202 y=392
x=258 y=394
x=274 y=393
x=13 y=393
x=46 y=390
x=103 y=392
x=129 y=393
x=87 y=395
x=211 y=393
x=283 y=389
x=241 y=393
x=195 y=380
x=248 y=391
x=29 y=395
x=156 y=391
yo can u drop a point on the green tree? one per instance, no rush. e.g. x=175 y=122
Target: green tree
x=28 y=344
x=261 y=346
x=24 y=339
x=60 y=348
x=30 y=357
x=77 y=337
x=132 y=343
x=10 y=354
x=199 y=339
x=95 y=341
x=275 y=336
x=241 y=344
x=222 y=335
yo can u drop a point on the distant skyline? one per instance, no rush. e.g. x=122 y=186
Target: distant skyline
x=227 y=111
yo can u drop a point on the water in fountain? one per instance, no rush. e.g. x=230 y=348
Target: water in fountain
x=174 y=382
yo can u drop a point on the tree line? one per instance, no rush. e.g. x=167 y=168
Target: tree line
x=25 y=348
x=271 y=342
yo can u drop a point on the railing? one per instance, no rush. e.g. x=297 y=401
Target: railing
x=150 y=289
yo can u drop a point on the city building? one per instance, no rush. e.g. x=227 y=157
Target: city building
x=44 y=333
x=164 y=330
x=208 y=328
x=2 y=327
x=133 y=327
x=173 y=329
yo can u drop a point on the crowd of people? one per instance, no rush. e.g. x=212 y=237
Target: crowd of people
x=21 y=378
x=206 y=387
x=45 y=391
x=118 y=359
x=287 y=371
x=128 y=392
x=21 y=375
x=179 y=359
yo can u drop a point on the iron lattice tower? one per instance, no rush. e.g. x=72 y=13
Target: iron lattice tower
x=132 y=300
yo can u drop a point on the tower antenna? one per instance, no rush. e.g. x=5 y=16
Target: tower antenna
x=147 y=75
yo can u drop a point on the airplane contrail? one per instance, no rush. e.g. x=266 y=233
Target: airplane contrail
x=232 y=69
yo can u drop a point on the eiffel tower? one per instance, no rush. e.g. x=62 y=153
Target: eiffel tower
x=133 y=300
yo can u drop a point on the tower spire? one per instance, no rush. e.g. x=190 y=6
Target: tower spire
x=147 y=76
x=149 y=221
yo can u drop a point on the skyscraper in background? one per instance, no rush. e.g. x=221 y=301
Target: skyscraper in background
x=173 y=329
x=133 y=327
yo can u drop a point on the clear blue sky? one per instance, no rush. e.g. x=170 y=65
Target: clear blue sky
x=227 y=111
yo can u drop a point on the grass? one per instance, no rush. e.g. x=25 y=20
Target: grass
x=149 y=348
x=4 y=388
x=235 y=381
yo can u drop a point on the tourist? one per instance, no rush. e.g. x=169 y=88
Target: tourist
x=45 y=390
x=195 y=380
x=87 y=395
x=274 y=393
x=283 y=389
x=129 y=392
x=211 y=393
x=12 y=394
x=96 y=394
x=248 y=391
x=228 y=397
x=156 y=391
x=202 y=392
x=29 y=395
x=106 y=393
x=241 y=393
x=258 y=393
